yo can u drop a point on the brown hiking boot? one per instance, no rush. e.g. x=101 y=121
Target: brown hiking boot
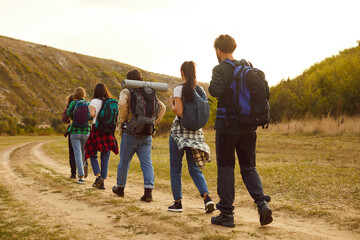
x=147 y=197
x=98 y=181
x=118 y=191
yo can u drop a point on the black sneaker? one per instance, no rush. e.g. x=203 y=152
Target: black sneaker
x=98 y=181
x=73 y=176
x=176 y=207
x=118 y=191
x=102 y=186
x=223 y=220
x=265 y=213
x=209 y=205
x=86 y=169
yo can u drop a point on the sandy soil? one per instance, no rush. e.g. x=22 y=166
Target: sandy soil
x=73 y=209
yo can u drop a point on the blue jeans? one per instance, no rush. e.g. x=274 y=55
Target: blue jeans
x=142 y=147
x=175 y=170
x=104 y=156
x=78 y=141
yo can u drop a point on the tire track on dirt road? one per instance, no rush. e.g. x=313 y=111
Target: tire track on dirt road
x=150 y=220
x=77 y=216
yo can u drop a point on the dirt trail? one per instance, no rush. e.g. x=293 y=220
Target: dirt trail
x=78 y=216
x=130 y=218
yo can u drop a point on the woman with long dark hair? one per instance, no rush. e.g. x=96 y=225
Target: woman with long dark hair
x=183 y=140
x=99 y=141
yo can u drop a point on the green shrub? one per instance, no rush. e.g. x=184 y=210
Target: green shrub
x=4 y=126
x=166 y=122
x=44 y=131
x=30 y=124
x=57 y=125
x=30 y=121
x=8 y=125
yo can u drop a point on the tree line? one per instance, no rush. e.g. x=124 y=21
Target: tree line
x=328 y=88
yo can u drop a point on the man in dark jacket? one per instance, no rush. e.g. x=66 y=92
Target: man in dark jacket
x=230 y=138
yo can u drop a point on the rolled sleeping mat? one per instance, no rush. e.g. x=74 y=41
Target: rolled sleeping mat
x=162 y=87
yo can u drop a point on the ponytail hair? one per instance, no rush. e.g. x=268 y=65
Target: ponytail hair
x=69 y=99
x=189 y=72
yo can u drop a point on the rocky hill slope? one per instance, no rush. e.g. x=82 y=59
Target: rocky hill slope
x=36 y=79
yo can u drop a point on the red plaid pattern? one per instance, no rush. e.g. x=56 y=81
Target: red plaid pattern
x=100 y=142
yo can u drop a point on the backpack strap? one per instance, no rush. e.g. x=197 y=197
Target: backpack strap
x=227 y=112
x=229 y=62
x=75 y=105
x=132 y=101
x=200 y=91
x=246 y=63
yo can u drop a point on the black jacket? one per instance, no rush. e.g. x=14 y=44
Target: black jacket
x=220 y=83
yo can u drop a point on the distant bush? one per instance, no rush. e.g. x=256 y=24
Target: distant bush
x=213 y=108
x=166 y=122
x=8 y=125
x=30 y=121
x=44 y=131
x=57 y=125
x=30 y=124
x=4 y=126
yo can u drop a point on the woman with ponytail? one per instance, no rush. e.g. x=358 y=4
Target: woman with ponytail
x=183 y=140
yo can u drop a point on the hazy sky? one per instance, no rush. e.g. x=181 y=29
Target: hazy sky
x=283 y=38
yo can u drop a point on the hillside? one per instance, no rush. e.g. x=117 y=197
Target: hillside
x=331 y=87
x=36 y=79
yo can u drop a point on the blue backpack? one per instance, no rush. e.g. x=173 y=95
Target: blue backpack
x=248 y=98
x=196 y=114
x=81 y=114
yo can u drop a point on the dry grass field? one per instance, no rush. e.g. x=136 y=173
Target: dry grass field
x=324 y=126
x=313 y=177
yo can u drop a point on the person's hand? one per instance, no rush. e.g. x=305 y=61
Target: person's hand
x=171 y=100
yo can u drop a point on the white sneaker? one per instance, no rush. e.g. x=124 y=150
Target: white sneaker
x=80 y=181
x=176 y=207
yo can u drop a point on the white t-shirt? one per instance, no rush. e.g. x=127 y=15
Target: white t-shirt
x=96 y=103
x=177 y=93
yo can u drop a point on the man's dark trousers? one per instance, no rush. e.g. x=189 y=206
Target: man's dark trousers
x=244 y=145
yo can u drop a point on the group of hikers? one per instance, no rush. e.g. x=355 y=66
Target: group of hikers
x=137 y=112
